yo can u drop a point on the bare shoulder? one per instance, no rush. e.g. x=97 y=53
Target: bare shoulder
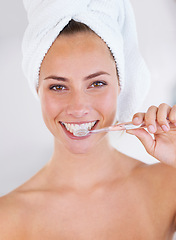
x=165 y=176
x=159 y=180
x=161 y=176
x=11 y=217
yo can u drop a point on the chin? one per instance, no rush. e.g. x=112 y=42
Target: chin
x=79 y=149
x=82 y=147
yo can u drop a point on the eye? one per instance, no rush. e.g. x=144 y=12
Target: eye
x=58 y=88
x=98 y=84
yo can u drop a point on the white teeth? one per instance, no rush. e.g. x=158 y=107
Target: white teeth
x=74 y=127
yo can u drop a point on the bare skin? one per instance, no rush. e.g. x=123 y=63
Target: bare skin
x=88 y=190
x=139 y=205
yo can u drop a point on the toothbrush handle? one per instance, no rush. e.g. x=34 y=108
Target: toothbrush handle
x=107 y=129
x=118 y=127
x=130 y=125
x=126 y=126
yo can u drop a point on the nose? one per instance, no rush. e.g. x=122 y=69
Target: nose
x=78 y=105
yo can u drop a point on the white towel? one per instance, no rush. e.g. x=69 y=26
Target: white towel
x=112 y=20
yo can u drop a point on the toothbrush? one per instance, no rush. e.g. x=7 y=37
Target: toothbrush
x=118 y=127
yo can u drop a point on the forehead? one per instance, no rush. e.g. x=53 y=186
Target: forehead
x=78 y=52
x=78 y=43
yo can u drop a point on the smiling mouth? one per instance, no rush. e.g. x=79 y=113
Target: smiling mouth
x=74 y=128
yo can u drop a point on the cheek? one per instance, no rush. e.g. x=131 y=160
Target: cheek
x=108 y=101
x=50 y=106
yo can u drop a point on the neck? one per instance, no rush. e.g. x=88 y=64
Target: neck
x=82 y=170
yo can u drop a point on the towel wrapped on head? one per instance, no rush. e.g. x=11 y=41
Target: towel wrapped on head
x=112 y=20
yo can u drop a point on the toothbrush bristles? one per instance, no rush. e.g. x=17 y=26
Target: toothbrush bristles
x=81 y=132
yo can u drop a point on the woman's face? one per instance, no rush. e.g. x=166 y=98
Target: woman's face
x=78 y=84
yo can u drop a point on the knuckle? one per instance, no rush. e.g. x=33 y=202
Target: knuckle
x=139 y=114
x=149 y=119
x=164 y=105
x=162 y=122
x=173 y=110
x=153 y=107
x=172 y=117
x=162 y=119
x=150 y=115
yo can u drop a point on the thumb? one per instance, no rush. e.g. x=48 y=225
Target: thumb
x=145 y=138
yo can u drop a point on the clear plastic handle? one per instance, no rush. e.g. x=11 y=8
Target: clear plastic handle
x=130 y=126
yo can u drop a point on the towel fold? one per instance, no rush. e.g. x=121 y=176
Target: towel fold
x=112 y=20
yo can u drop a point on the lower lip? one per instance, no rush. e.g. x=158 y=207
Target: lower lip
x=70 y=135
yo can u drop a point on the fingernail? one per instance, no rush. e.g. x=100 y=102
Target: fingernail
x=165 y=128
x=136 y=120
x=151 y=128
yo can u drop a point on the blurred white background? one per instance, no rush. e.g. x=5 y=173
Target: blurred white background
x=25 y=143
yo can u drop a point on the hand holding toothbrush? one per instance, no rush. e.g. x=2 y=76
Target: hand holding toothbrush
x=161 y=122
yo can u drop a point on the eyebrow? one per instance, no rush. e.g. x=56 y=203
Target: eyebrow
x=93 y=75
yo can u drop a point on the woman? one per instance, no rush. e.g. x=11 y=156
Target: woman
x=88 y=189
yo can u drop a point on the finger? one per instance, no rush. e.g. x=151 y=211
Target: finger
x=145 y=138
x=138 y=118
x=162 y=115
x=150 y=119
x=172 y=115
